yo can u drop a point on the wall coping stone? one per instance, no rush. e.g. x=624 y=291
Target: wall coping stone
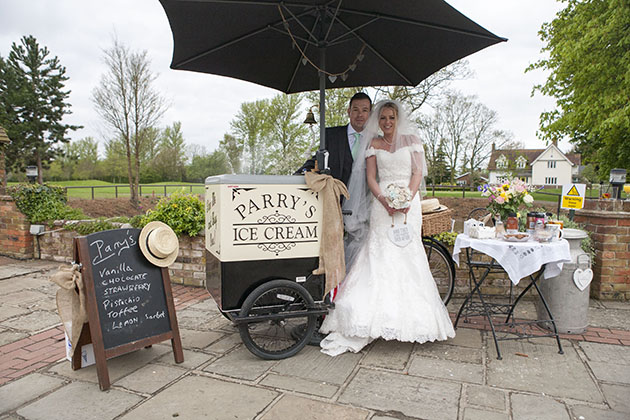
x=603 y=213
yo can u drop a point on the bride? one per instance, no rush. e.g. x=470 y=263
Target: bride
x=389 y=291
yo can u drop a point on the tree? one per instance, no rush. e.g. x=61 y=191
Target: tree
x=207 y=164
x=337 y=102
x=129 y=105
x=456 y=111
x=588 y=44
x=429 y=89
x=251 y=130
x=432 y=135
x=88 y=166
x=460 y=134
x=288 y=135
x=170 y=161
x=33 y=103
x=233 y=150
x=115 y=162
x=482 y=133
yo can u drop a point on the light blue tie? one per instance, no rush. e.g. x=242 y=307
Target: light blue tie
x=355 y=146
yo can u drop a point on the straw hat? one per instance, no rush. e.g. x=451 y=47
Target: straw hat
x=159 y=244
x=432 y=205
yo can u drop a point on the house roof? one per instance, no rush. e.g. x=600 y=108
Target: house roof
x=529 y=154
x=468 y=173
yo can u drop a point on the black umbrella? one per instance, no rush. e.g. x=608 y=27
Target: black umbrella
x=296 y=46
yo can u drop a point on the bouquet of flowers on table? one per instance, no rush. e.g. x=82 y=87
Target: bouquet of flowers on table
x=507 y=198
x=398 y=197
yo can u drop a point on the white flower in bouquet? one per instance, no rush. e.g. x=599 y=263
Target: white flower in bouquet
x=398 y=196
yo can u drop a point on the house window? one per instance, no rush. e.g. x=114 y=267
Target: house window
x=551 y=164
x=502 y=179
x=502 y=162
x=551 y=180
x=521 y=162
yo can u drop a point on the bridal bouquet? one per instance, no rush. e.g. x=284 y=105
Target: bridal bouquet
x=507 y=198
x=398 y=197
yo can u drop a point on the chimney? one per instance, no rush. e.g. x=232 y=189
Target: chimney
x=493 y=147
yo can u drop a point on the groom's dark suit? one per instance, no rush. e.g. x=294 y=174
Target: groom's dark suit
x=339 y=154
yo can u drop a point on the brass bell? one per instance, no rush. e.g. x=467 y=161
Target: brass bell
x=310 y=118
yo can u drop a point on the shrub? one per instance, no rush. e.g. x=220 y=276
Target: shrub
x=182 y=212
x=447 y=238
x=43 y=203
x=92 y=226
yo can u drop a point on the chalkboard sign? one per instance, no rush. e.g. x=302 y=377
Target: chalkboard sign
x=129 y=289
x=129 y=300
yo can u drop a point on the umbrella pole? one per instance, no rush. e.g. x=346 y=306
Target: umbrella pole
x=322 y=153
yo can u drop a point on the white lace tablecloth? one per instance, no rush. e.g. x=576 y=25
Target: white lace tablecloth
x=519 y=259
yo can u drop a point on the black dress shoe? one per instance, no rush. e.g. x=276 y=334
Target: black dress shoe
x=316 y=338
x=299 y=330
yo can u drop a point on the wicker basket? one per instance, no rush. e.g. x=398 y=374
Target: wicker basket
x=434 y=223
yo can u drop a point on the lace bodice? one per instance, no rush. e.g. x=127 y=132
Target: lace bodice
x=392 y=167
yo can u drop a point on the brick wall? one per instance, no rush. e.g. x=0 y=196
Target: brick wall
x=609 y=224
x=15 y=238
x=189 y=268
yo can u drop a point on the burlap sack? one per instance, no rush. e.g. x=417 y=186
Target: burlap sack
x=331 y=254
x=71 y=300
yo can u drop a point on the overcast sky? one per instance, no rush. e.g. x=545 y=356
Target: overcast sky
x=77 y=31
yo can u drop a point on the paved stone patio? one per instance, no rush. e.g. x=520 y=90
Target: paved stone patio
x=219 y=379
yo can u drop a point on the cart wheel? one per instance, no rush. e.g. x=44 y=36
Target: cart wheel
x=282 y=336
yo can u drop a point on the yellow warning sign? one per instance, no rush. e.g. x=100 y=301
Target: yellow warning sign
x=573 y=196
x=572 y=202
x=573 y=191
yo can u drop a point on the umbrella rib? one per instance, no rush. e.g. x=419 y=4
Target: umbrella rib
x=332 y=21
x=297 y=67
x=299 y=22
x=350 y=32
x=425 y=24
x=235 y=40
x=379 y=55
x=294 y=36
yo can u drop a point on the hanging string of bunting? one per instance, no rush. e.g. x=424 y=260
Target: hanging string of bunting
x=306 y=60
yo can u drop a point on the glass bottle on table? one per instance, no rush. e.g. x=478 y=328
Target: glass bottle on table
x=499 y=228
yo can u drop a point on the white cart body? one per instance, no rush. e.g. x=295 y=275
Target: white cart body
x=260 y=228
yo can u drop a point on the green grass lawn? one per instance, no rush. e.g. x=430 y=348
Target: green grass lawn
x=108 y=190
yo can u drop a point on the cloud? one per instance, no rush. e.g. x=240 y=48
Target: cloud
x=77 y=31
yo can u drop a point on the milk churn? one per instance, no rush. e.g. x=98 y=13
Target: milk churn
x=567 y=294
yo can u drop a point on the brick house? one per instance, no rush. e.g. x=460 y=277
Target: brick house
x=549 y=167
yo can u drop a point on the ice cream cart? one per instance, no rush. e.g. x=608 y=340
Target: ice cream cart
x=262 y=245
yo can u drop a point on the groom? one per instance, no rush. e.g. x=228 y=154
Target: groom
x=342 y=142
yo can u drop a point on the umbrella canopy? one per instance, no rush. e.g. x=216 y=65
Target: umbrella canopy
x=301 y=45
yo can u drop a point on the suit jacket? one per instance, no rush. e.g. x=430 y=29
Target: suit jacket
x=339 y=154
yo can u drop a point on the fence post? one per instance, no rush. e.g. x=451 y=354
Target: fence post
x=92 y=193
x=559 y=201
x=463 y=191
x=116 y=190
x=433 y=189
x=191 y=188
x=139 y=190
x=164 y=190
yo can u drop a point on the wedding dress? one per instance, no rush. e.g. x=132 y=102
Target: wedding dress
x=389 y=291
